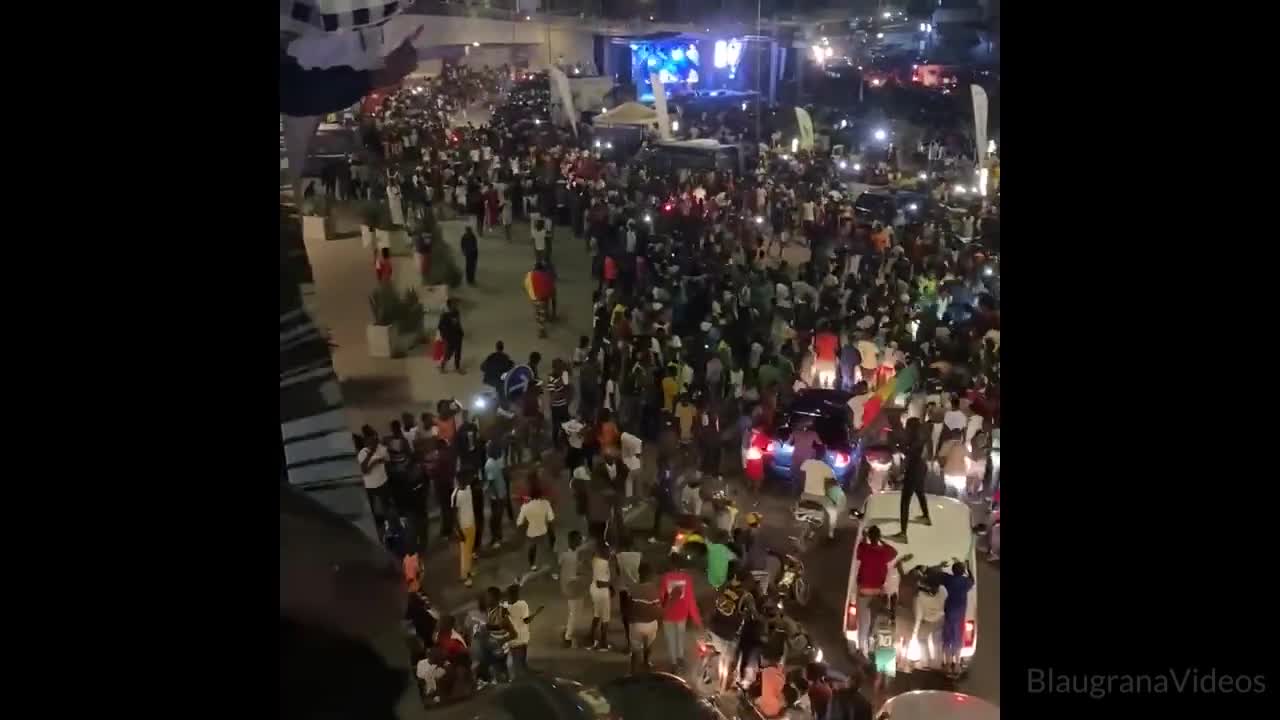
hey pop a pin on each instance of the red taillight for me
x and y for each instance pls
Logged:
(852, 621)
(970, 633)
(754, 453)
(679, 538)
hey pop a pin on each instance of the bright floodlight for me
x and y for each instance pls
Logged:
(888, 15)
(960, 190)
(843, 164)
(881, 134)
(879, 36)
(648, 217)
(744, 107)
(857, 167)
(597, 143)
(759, 220)
(475, 44)
(675, 126)
(913, 207)
(923, 176)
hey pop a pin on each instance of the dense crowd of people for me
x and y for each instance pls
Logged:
(720, 296)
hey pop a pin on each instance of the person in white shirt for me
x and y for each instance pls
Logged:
(539, 235)
(857, 403)
(870, 361)
(632, 451)
(520, 617)
(816, 474)
(782, 293)
(955, 418)
(930, 601)
(538, 517)
(600, 592)
(373, 459)
(465, 522)
(430, 670)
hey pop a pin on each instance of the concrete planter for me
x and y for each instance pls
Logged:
(389, 342)
(382, 340)
(317, 227)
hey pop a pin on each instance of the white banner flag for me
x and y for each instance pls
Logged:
(566, 97)
(660, 105)
(980, 121)
(805, 123)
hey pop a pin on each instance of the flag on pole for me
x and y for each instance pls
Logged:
(566, 97)
(980, 121)
(805, 124)
(660, 105)
(901, 383)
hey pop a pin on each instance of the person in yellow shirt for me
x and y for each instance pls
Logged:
(685, 412)
(670, 386)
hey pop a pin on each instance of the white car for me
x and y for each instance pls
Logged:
(937, 705)
(950, 536)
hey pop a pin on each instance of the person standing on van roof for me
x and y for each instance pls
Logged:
(914, 476)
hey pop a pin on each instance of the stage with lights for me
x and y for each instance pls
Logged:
(686, 65)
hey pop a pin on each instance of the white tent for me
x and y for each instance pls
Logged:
(628, 113)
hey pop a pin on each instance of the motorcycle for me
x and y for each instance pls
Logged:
(792, 582)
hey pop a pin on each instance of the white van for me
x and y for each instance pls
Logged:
(937, 705)
(950, 536)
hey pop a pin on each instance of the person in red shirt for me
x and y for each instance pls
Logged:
(819, 689)
(382, 266)
(753, 461)
(679, 606)
(541, 287)
(825, 345)
(610, 270)
(874, 557)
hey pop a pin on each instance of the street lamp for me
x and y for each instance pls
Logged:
(881, 135)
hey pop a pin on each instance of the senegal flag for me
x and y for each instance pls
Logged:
(901, 383)
(538, 284)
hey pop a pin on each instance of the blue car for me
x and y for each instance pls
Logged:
(828, 413)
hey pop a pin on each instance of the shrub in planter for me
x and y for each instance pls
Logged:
(381, 334)
(444, 268)
(390, 235)
(409, 322)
